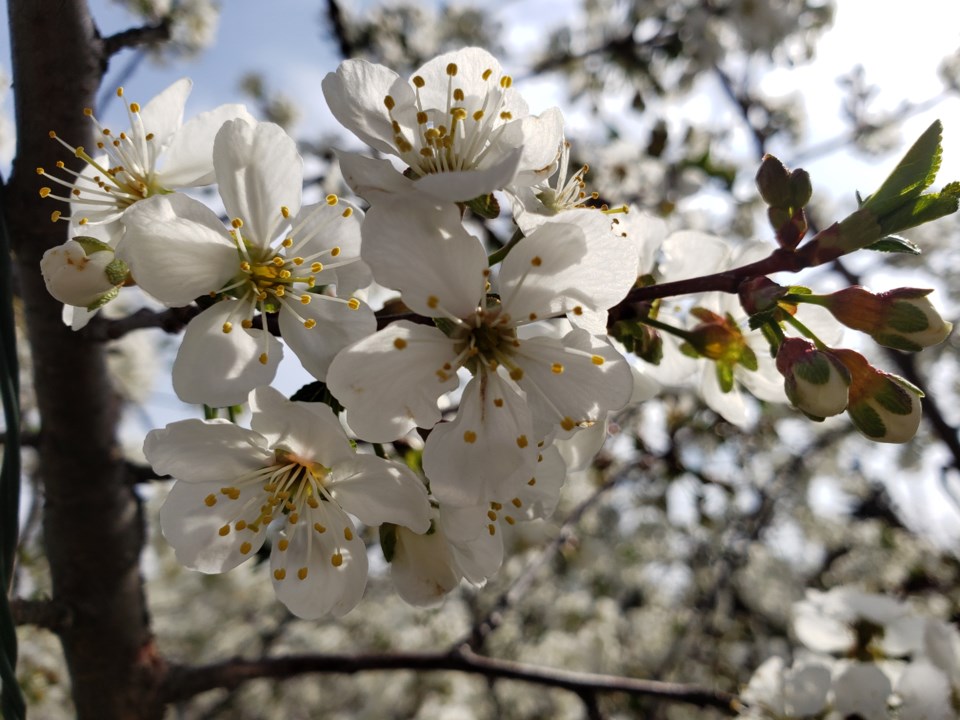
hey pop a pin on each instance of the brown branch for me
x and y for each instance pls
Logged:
(339, 29)
(184, 682)
(171, 320)
(135, 37)
(47, 614)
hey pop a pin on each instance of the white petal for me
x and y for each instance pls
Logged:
(177, 248)
(542, 136)
(309, 430)
(325, 587)
(220, 369)
(578, 380)
(422, 568)
(259, 172)
(766, 686)
(390, 381)
(689, 253)
(925, 693)
(479, 548)
(805, 688)
(377, 491)
(862, 689)
(195, 528)
(337, 326)
(355, 95)
(163, 115)
(324, 229)
(421, 249)
(211, 451)
(188, 160)
(468, 460)
(540, 497)
(371, 178)
(464, 185)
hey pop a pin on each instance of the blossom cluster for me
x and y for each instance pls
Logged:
(497, 366)
(863, 655)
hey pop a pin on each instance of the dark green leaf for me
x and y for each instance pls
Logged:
(896, 244)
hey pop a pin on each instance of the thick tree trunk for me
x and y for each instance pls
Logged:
(92, 522)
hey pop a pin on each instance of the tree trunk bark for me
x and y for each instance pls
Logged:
(93, 528)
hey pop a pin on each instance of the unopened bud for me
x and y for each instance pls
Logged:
(773, 182)
(884, 407)
(815, 381)
(903, 319)
(760, 294)
(83, 272)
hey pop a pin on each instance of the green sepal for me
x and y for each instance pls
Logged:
(867, 420)
(689, 350)
(761, 319)
(895, 244)
(897, 342)
(895, 399)
(117, 271)
(104, 299)
(907, 317)
(318, 391)
(446, 326)
(914, 173)
(814, 370)
(486, 206)
(748, 358)
(388, 541)
(91, 245)
(725, 376)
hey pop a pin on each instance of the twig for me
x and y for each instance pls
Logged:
(48, 614)
(135, 37)
(171, 320)
(339, 29)
(184, 682)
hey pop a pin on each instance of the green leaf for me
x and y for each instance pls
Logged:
(914, 174)
(486, 206)
(921, 210)
(895, 244)
(317, 391)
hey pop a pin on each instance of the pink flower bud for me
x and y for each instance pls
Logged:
(815, 381)
(903, 319)
(884, 407)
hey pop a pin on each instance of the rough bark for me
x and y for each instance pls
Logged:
(93, 527)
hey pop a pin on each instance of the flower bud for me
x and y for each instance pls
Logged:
(884, 407)
(903, 319)
(816, 382)
(82, 272)
(773, 182)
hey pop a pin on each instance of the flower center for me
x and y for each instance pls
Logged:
(455, 137)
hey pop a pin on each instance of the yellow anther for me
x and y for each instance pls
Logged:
(347, 534)
(245, 548)
(210, 500)
(353, 304)
(335, 251)
(332, 199)
(246, 323)
(79, 152)
(119, 92)
(283, 544)
(516, 374)
(39, 171)
(577, 310)
(336, 560)
(237, 223)
(506, 115)
(509, 519)
(44, 191)
(55, 215)
(389, 102)
(279, 573)
(426, 152)
(498, 402)
(60, 164)
(567, 423)
(478, 115)
(522, 441)
(347, 212)
(531, 482)
(264, 358)
(149, 136)
(231, 492)
(432, 302)
(470, 437)
(305, 299)
(302, 573)
(309, 323)
(532, 316)
(517, 502)
(312, 502)
(422, 118)
(492, 529)
(487, 73)
(418, 81)
(52, 135)
(297, 261)
(88, 112)
(491, 514)
(227, 327)
(285, 211)
(319, 528)
(285, 274)
(458, 95)
(278, 261)
(557, 368)
(452, 69)
(399, 343)
(506, 81)
(536, 261)
(224, 531)
(280, 291)
(83, 221)
(294, 518)
(496, 506)
(597, 360)
(135, 107)
(245, 266)
(240, 525)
